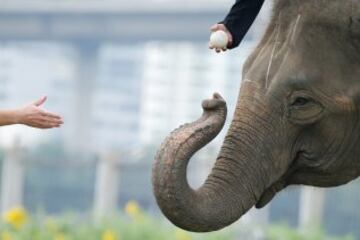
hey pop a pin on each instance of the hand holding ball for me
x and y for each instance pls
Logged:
(219, 39)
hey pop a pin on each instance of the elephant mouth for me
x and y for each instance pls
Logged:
(270, 192)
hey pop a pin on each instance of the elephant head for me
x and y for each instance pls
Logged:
(296, 120)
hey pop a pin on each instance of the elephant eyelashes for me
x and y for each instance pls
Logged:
(301, 101)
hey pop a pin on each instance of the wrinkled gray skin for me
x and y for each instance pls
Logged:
(296, 120)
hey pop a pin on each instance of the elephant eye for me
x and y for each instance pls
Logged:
(300, 101)
(304, 109)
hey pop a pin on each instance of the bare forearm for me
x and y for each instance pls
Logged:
(9, 117)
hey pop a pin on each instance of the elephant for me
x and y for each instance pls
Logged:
(297, 120)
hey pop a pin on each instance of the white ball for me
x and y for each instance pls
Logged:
(219, 39)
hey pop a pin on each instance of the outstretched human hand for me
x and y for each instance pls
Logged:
(34, 116)
(217, 27)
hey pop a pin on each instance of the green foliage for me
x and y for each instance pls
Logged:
(126, 227)
(284, 232)
(132, 224)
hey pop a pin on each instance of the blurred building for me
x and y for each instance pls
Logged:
(112, 63)
(116, 108)
(177, 77)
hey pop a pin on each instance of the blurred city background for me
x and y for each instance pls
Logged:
(123, 74)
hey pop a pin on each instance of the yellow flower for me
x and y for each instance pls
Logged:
(6, 236)
(108, 235)
(132, 209)
(16, 217)
(182, 235)
(59, 236)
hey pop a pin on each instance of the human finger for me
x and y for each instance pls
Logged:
(214, 27)
(40, 101)
(50, 115)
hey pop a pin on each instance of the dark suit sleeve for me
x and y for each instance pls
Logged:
(240, 18)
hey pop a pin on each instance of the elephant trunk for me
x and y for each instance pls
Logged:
(232, 188)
